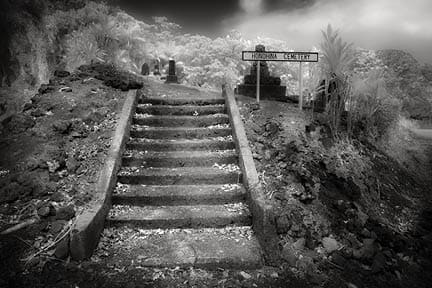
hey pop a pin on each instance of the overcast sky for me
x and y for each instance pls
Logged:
(371, 24)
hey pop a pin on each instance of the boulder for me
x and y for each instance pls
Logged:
(283, 224)
(330, 244)
(62, 126)
(65, 213)
(61, 73)
(62, 248)
(19, 123)
(288, 254)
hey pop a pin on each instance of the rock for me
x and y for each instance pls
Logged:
(366, 233)
(28, 106)
(267, 155)
(362, 217)
(330, 244)
(65, 213)
(37, 112)
(352, 239)
(338, 258)
(305, 263)
(53, 166)
(283, 224)
(10, 193)
(310, 241)
(62, 248)
(61, 73)
(93, 117)
(256, 156)
(46, 88)
(56, 227)
(272, 128)
(112, 104)
(379, 263)
(57, 196)
(369, 248)
(46, 210)
(289, 256)
(65, 89)
(299, 244)
(19, 123)
(62, 126)
(254, 106)
(245, 275)
(72, 164)
(315, 278)
(103, 111)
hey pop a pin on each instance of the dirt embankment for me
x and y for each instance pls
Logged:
(51, 151)
(347, 214)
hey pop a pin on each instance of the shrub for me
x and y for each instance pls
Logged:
(82, 48)
(372, 109)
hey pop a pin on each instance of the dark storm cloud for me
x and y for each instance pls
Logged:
(194, 15)
(274, 5)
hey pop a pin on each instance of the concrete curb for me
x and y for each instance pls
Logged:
(86, 231)
(262, 214)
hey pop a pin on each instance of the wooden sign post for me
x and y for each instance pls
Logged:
(300, 85)
(281, 56)
(258, 81)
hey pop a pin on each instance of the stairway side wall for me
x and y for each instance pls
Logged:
(86, 231)
(262, 214)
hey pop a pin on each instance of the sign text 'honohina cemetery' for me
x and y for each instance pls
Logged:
(280, 56)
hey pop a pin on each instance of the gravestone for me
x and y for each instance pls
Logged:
(156, 69)
(145, 69)
(171, 77)
(270, 87)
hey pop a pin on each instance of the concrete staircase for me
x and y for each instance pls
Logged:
(179, 191)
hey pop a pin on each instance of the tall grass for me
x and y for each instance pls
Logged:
(337, 57)
(372, 109)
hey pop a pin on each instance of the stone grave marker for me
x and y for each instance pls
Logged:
(145, 69)
(171, 77)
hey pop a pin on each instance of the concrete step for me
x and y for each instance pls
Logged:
(165, 217)
(180, 121)
(178, 158)
(168, 195)
(178, 176)
(181, 101)
(180, 110)
(229, 248)
(210, 144)
(177, 132)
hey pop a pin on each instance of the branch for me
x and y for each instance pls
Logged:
(19, 226)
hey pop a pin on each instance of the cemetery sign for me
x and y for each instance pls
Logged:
(261, 55)
(280, 56)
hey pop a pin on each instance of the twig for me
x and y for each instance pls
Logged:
(24, 241)
(21, 225)
(335, 265)
(48, 247)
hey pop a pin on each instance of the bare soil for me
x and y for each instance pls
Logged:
(51, 151)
